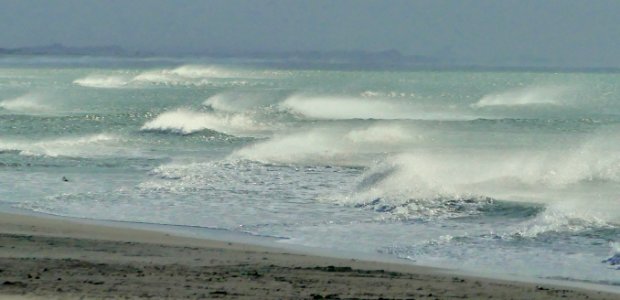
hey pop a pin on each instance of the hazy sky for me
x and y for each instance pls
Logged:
(575, 32)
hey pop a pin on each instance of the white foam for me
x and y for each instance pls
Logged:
(380, 134)
(580, 184)
(84, 146)
(189, 75)
(331, 145)
(199, 71)
(615, 247)
(339, 108)
(533, 95)
(367, 107)
(185, 121)
(158, 77)
(563, 216)
(239, 101)
(186, 75)
(195, 75)
(28, 103)
(390, 94)
(103, 81)
(573, 212)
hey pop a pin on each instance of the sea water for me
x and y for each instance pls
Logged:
(515, 173)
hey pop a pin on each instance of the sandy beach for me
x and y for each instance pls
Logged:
(52, 258)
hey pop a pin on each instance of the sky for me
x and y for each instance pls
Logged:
(565, 32)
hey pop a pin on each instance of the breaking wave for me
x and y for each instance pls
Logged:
(28, 103)
(197, 71)
(339, 108)
(236, 101)
(102, 81)
(448, 184)
(562, 217)
(364, 107)
(331, 145)
(538, 95)
(187, 75)
(185, 121)
(84, 146)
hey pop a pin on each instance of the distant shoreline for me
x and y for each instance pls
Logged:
(346, 61)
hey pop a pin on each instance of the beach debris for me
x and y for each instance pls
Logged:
(15, 283)
(614, 260)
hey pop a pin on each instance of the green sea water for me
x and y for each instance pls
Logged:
(507, 172)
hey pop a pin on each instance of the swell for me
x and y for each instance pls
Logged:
(30, 103)
(334, 107)
(184, 75)
(528, 96)
(81, 146)
(186, 121)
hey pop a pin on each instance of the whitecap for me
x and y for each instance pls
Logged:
(28, 103)
(528, 96)
(239, 101)
(331, 145)
(83, 146)
(365, 107)
(102, 81)
(185, 121)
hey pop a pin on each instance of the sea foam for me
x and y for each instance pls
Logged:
(338, 108)
(28, 103)
(239, 101)
(186, 75)
(562, 180)
(365, 107)
(103, 81)
(331, 145)
(185, 121)
(82, 146)
(533, 95)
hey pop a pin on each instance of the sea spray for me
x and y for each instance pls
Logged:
(332, 107)
(103, 81)
(185, 121)
(533, 95)
(82, 146)
(186, 75)
(403, 163)
(239, 101)
(331, 145)
(28, 103)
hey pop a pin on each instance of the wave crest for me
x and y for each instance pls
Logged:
(84, 146)
(187, 75)
(367, 107)
(185, 121)
(239, 101)
(331, 145)
(28, 103)
(102, 81)
(342, 108)
(407, 180)
(540, 95)
(198, 71)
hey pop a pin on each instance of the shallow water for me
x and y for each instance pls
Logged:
(514, 173)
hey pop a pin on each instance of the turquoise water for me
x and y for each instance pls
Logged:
(509, 172)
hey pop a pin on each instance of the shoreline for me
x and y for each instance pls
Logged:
(98, 259)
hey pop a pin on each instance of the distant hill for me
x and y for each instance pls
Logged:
(383, 59)
(353, 59)
(59, 49)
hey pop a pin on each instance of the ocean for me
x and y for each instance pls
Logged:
(514, 173)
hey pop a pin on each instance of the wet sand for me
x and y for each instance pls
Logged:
(51, 258)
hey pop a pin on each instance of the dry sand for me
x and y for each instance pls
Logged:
(51, 258)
